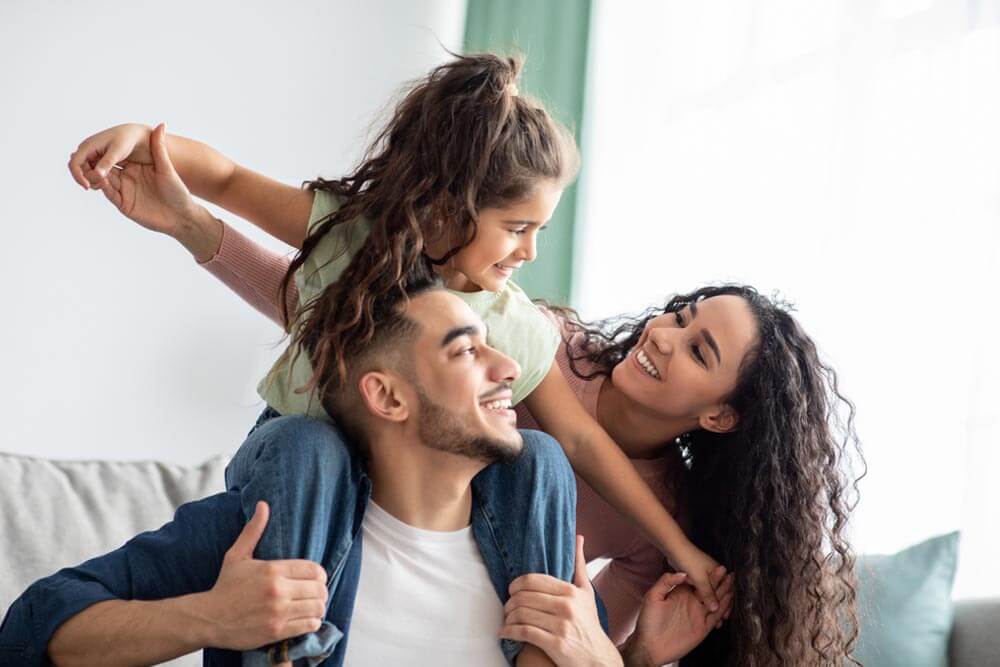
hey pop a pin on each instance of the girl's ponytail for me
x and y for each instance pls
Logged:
(461, 139)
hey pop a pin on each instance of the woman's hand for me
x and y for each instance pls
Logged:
(560, 618)
(673, 621)
(154, 196)
(95, 157)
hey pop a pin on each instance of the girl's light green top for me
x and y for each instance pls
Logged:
(514, 324)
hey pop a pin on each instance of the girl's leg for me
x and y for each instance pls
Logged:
(307, 473)
(530, 505)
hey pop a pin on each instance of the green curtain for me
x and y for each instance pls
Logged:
(552, 35)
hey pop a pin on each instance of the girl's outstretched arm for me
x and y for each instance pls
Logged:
(603, 465)
(280, 210)
(254, 273)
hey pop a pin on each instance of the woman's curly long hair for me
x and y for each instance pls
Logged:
(770, 500)
(461, 139)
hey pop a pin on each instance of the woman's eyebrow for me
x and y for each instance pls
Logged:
(712, 344)
(529, 223)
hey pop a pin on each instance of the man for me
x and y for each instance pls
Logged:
(431, 406)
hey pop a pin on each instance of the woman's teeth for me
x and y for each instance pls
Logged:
(647, 365)
(498, 405)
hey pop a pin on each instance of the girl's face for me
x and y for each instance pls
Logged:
(686, 363)
(505, 240)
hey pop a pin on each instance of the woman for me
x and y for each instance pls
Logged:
(724, 406)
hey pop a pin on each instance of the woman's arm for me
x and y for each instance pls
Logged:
(280, 210)
(603, 465)
(254, 273)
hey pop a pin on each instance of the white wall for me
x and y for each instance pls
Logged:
(114, 344)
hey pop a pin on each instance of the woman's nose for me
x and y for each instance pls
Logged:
(663, 339)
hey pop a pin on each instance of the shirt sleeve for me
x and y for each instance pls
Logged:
(622, 585)
(182, 557)
(254, 273)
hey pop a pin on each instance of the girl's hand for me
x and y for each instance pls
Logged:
(672, 620)
(95, 157)
(560, 618)
(699, 568)
(154, 196)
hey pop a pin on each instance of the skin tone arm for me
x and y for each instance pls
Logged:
(596, 457)
(252, 603)
(279, 209)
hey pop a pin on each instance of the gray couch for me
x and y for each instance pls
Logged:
(59, 513)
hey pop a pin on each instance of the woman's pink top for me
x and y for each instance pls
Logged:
(255, 274)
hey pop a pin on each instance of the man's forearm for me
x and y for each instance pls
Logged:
(132, 632)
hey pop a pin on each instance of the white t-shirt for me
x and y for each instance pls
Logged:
(424, 598)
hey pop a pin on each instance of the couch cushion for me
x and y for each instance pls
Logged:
(975, 637)
(60, 513)
(905, 604)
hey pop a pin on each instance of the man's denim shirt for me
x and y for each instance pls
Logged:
(185, 556)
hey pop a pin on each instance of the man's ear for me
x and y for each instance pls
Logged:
(382, 395)
(719, 419)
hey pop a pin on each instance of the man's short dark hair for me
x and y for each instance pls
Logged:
(390, 348)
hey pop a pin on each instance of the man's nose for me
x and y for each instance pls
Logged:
(503, 368)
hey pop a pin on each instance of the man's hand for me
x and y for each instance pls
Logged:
(673, 621)
(560, 618)
(258, 602)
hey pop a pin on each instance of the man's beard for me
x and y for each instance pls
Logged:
(440, 429)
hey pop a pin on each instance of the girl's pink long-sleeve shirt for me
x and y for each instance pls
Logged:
(255, 274)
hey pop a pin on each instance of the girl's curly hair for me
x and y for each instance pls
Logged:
(770, 500)
(461, 139)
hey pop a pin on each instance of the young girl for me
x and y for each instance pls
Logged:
(465, 175)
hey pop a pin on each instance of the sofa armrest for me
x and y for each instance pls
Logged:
(975, 634)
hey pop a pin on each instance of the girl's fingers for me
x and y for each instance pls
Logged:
(117, 152)
(707, 597)
(725, 587)
(714, 619)
(158, 147)
(81, 159)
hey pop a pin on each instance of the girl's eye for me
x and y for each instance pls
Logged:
(680, 320)
(697, 355)
(469, 351)
(518, 232)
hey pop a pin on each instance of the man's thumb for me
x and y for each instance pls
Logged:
(247, 541)
(158, 147)
(580, 577)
